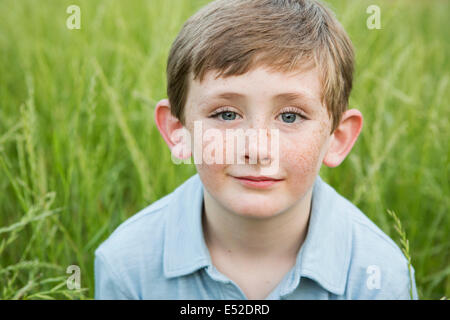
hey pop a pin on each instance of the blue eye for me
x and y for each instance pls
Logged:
(227, 115)
(289, 117)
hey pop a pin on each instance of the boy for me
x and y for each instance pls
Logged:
(282, 68)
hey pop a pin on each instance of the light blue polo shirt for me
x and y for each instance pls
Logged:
(160, 253)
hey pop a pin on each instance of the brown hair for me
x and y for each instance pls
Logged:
(235, 36)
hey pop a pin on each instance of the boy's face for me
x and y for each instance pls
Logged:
(303, 127)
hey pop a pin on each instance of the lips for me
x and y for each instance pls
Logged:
(258, 182)
(259, 178)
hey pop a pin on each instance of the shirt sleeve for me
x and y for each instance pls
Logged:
(107, 285)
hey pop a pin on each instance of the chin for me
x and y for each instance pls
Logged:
(257, 215)
(256, 209)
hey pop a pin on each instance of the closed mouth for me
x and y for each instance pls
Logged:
(259, 178)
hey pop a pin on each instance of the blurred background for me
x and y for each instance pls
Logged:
(80, 153)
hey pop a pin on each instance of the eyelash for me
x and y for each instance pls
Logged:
(294, 110)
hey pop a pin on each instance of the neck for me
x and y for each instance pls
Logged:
(279, 236)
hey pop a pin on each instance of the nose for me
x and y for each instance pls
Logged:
(257, 146)
(259, 138)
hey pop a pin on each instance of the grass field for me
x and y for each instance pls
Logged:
(80, 153)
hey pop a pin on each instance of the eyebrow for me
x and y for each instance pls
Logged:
(284, 97)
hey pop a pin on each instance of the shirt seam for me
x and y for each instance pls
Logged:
(377, 233)
(113, 274)
(134, 219)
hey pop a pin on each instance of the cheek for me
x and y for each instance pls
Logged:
(207, 144)
(211, 177)
(210, 171)
(301, 158)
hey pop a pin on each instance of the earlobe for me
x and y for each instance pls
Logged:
(330, 159)
(343, 138)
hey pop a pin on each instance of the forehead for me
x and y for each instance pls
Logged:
(259, 84)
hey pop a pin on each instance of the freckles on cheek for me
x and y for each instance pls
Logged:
(301, 168)
(300, 157)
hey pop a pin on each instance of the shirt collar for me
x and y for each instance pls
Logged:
(324, 256)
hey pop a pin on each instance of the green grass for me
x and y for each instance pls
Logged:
(80, 153)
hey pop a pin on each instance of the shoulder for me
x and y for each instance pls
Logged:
(378, 268)
(146, 227)
(135, 244)
(129, 263)
(147, 224)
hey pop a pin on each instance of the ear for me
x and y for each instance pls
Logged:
(343, 138)
(172, 130)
